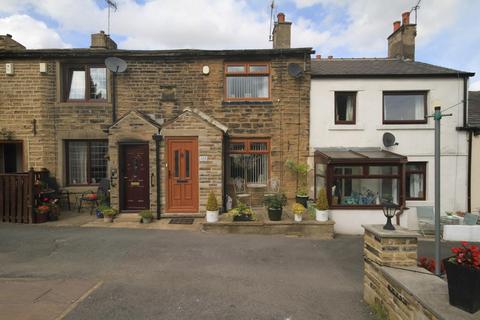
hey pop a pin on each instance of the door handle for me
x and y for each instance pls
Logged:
(152, 180)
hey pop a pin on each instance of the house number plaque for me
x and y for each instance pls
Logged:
(203, 158)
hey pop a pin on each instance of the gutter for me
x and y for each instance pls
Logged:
(157, 137)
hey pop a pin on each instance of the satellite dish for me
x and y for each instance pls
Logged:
(389, 140)
(115, 64)
(295, 70)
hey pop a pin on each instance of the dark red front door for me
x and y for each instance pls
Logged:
(136, 191)
(182, 182)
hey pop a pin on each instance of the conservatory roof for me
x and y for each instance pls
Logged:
(358, 155)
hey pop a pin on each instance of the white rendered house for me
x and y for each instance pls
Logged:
(354, 103)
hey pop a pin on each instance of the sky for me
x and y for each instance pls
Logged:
(448, 33)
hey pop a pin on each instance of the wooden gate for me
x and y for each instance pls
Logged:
(17, 196)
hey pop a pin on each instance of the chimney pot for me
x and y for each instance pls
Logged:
(406, 18)
(396, 26)
(319, 56)
(9, 35)
(102, 32)
(330, 57)
(281, 17)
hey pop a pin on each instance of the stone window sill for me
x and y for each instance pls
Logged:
(405, 127)
(346, 127)
(247, 103)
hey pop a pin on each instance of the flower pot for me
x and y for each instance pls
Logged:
(108, 219)
(321, 215)
(146, 220)
(298, 217)
(275, 214)
(212, 216)
(242, 217)
(41, 218)
(303, 200)
(463, 286)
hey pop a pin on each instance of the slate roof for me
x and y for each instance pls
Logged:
(379, 67)
(474, 109)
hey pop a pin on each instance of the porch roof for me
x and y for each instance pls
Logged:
(357, 155)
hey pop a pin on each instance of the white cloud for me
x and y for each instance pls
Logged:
(474, 86)
(32, 33)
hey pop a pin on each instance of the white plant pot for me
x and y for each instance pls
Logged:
(298, 217)
(321, 215)
(212, 216)
(107, 219)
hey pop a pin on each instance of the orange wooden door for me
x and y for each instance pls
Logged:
(182, 182)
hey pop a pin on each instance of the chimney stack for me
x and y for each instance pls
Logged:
(7, 43)
(281, 32)
(401, 43)
(102, 41)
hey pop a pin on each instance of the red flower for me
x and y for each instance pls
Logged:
(467, 255)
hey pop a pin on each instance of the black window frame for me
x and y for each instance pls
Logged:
(406, 93)
(89, 159)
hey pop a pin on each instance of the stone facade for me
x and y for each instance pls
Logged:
(160, 84)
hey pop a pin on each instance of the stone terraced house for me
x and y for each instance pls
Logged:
(181, 123)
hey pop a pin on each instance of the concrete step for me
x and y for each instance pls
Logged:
(127, 217)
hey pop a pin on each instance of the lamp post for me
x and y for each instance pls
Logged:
(389, 210)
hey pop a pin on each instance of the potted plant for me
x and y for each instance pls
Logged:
(212, 208)
(298, 209)
(42, 213)
(146, 215)
(301, 171)
(463, 276)
(108, 214)
(275, 204)
(321, 207)
(242, 213)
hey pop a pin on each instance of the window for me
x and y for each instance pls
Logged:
(247, 81)
(345, 107)
(85, 83)
(365, 185)
(360, 177)
(416, 173)
(86, 161)
(404, 107)
(249, 159)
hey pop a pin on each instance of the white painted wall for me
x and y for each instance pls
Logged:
(415, 141)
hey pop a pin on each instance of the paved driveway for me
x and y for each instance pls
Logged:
(159, 274)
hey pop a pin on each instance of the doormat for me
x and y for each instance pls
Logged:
(181, 221)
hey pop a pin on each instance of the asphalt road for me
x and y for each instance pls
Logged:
(156, 274)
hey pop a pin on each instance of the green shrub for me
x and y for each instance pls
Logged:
(322, 202)
(298, 208)
(212, 204)
(146, 214)
(275, 201)
(109, 212)
(301, 171)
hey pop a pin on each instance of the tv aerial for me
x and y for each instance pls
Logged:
(295, 70)
(389, 140)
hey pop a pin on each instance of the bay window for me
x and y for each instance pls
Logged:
(247, 81)
(360, 178)
(86, 161)
(404, 107)
(249, 159)
(82, 82)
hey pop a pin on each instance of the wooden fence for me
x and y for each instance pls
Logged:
(17, 196)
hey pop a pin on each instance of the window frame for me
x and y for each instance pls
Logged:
(424, 172)
(354, 95)
(89, 159)
(247, 73)
(66, 81)
(405, 93)
(248, 150)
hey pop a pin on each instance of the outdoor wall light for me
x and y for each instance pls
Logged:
(389, 210)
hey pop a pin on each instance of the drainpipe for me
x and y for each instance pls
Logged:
(224, 191)
(469, 174)
(157, 137)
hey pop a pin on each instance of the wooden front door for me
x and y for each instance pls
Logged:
(135, 184)
(182, 182)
